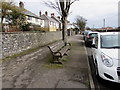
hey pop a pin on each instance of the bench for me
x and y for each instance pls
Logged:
(58, 50)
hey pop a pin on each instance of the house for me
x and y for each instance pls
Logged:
(45, 22)
(50, 24)
(106, 28)
(59, 24)
(30, 17)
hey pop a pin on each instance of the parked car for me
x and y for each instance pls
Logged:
(106, 56)
(89, 38)
(84, 33)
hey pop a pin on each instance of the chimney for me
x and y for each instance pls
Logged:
(21, 4)
(58, 17)
(40, 13)
(46, 13)
(52, 14)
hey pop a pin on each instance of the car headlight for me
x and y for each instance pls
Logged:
(107, 61)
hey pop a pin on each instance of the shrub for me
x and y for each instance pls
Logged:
(26, 27)
(46, 29)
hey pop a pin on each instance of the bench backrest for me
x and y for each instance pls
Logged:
(56, 46)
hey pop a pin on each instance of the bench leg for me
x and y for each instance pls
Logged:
(57, 60)
(66, 54)
(68, 49)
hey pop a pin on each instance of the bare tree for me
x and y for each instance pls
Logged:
(62, 7)
(80, 23)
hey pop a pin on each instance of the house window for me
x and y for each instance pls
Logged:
(6, 20)
(54, 24)
(50, 23)
(29, 18)
(41, 22)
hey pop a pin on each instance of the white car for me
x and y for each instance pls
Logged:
(106, 55)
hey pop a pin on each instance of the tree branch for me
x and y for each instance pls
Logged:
(73, 2)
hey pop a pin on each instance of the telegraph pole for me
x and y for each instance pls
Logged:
(104, 24)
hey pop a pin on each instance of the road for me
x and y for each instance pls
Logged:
(100, 84)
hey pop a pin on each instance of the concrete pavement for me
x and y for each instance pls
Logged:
(32, 73)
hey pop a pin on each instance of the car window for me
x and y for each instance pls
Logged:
(110, 41)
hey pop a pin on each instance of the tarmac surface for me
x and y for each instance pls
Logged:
(29, 71)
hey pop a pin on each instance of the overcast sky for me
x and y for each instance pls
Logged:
(92, 10)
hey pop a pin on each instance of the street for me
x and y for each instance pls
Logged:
(58, 44)
(101, 84)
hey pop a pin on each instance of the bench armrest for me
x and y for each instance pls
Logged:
(68, 44)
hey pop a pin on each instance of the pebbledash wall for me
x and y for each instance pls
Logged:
(13, 43)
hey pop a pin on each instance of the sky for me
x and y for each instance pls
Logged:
(95, 11)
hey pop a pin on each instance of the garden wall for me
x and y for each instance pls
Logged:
(14, 43)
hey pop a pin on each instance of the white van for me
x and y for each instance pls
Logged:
(106, 55)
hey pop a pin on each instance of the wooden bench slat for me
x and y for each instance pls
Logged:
(63, 50)
(58, 49)
(54, 44)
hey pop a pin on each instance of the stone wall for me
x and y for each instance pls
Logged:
(0, 45)
(13, 43)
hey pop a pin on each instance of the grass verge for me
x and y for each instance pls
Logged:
(50, 65)
(21, 53)
(53, 66)
(64, 60)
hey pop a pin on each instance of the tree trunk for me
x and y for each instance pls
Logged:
(2, 23)
(64, 28)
